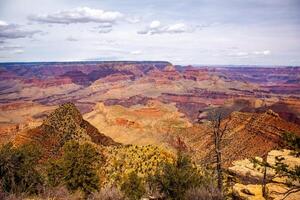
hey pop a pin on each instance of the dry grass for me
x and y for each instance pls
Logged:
(203, 194)
(108, 193)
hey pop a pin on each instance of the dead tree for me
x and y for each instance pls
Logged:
(264, 180)
(219, 128)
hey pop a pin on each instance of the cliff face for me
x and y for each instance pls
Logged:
(64, 124)
(142, 125)
(248, 135)
(190, 88)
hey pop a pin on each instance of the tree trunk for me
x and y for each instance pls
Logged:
(219, 162)
(264, 181)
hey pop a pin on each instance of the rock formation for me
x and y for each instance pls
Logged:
(248, 172)
(64, 124)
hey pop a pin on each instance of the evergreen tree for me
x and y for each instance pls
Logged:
(174, 179)
(133, 187)
(18, 168)
(77, 168)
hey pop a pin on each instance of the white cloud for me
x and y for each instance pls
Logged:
(13, 31)
(78, 15)
(154, 24)
(3, 23)
(133, 20)
(177, 28)
(18, 51)
(254, 53)
(239, 54)
(155, 27)
(265, 52)
(136, 52)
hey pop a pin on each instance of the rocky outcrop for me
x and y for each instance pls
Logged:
(246, 172)
(64, 124)
(248, 135)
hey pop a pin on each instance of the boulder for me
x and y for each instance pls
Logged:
(247, 192)
(277, 191)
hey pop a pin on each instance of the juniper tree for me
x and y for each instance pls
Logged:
(19, 168)
(77, 168)
(174, 179)
(133, 186)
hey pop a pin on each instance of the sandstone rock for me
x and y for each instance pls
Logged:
(248, 171)
(289, 159)
(247, 192)
(276, 191)
(271, 112)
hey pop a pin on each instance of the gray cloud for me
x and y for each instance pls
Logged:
(103, 28)
(13, 31)
(71, 39)
(18, 51)
(78, 15)
(10, 47)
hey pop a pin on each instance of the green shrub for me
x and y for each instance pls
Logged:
(77, 168)
(293, 141)
(18, 169)
(174, 179)
(133, 187)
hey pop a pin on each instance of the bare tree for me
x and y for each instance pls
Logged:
(264, 180)
(219, 128)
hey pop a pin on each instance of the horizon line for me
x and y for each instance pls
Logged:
(194, 65)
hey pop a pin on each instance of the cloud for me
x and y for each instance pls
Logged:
(9, 47)
(12, 49)
(135, 52)
(18, 51)
(3, 23)
(247, 54)
(13, 31)
(71, 39)
(154, 24)
(265, 52)
(155, 27)
(133, 20)
(103, 28)
(78, 15)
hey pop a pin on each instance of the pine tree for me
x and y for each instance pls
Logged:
(18, 168)
(174, 179)
(77, 168)
(133, 187)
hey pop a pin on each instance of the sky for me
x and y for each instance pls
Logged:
(209, 32)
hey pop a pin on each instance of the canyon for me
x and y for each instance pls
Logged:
(139, 113)
(150, 102)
